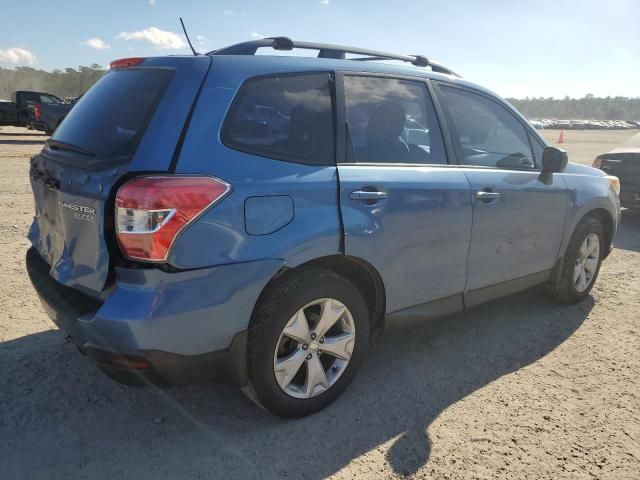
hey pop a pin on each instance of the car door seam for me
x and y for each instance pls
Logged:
(466, 279)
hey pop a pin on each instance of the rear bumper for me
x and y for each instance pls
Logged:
(41, 126)
(163, 368)
(160, 327)
(630, 196)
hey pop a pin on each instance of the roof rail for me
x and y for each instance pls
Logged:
(329, 51)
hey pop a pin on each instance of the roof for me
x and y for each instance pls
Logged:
(250, 65)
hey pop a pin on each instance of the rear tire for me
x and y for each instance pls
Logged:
(581, 263)
(296, 365)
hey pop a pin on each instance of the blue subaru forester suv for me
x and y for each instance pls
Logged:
(257, 219)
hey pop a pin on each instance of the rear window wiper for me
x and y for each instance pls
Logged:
(58, 145)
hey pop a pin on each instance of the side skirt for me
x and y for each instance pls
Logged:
(457, 303)
(424, 311)
(482, 295)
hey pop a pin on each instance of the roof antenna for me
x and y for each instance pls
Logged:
(188, 40)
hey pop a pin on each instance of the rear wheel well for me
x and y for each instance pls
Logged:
(359, 272)
(606, 220)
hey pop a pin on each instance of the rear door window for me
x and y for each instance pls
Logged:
(391, 121)
(112, 116)
(30, 97)
(285, 118)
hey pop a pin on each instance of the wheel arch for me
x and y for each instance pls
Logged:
(361, 273)
(608, 225)
(599, 208)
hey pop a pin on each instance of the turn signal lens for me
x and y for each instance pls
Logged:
(597, 163)
(152, 211)
(615, 183)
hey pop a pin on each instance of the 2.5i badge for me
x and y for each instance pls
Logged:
(80, 212)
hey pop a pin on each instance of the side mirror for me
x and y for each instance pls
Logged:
(554, 160)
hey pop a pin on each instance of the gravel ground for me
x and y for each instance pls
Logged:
(518, 388)
(584, 146)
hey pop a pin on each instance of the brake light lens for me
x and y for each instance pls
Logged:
(127, 62)
(37, 111)
(597, 163)
(152, 211)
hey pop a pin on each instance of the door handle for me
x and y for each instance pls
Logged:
(486, 196)
(367, 195)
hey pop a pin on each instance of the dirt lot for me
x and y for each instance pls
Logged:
(519, 388)
(584, 146)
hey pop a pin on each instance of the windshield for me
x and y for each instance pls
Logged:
(111, 117)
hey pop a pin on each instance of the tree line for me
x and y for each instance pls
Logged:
(589, 107)
(72, 82)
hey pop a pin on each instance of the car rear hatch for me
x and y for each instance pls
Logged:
(130, 121)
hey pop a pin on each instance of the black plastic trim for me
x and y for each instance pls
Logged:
(66, 301)
(326, 50)
(485, 294)
(185, 128)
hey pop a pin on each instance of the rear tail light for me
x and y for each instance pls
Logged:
(597, 163)
(152, 211)
(127, 62)
(37, 112)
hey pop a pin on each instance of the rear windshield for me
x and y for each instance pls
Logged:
(111, 117)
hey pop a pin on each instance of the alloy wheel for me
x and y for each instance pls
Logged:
(586, 262)
(314, 348)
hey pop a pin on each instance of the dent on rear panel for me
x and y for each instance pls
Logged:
(267, 214)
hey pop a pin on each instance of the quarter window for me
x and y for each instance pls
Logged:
(391, 121)
(286, 118)
(487, 133)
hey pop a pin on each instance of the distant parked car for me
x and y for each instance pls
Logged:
(46, 116)
(537, 124)
(564, 124)
(624, 163)
(16, 112)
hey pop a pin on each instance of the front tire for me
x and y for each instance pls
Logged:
(307, 339)
(581, 263)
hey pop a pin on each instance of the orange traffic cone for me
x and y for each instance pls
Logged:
(561, 137)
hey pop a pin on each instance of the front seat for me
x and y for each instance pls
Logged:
(384, 143)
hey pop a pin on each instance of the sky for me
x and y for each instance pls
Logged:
(516, 48)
